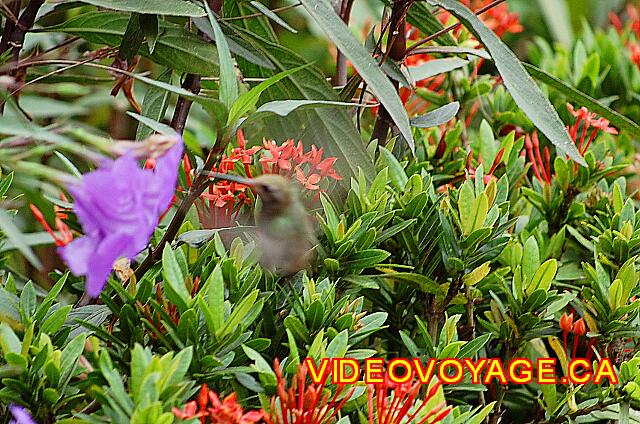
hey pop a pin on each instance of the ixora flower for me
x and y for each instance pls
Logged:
(119, 206)
(210, 409)
(20, 415)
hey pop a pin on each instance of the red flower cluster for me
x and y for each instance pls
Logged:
(290, 160)
(220, 205)
(541, 168)
(211, 410)
(587, 120)
(399, 403)
(64, 235)
(587, 124)
(633, 20)
(304, 403)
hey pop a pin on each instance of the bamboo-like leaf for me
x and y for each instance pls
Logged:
(436, 117)
(285, 107)
(524, 91)
(576, 96)
(154, 105)
(155, 7)
(323, 13)
(228, 82)
(271, 15)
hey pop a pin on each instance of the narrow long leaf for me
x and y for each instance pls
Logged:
(323, 13)
(524, 91)
(285, 107)
(153, 7)
(248, 100)
(15, 236)
(228, 82)
(271, 15)
(576, 96)
(436, 117)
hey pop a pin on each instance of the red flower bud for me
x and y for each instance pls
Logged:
(566, 322)
(579, 327)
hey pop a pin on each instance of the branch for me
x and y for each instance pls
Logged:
(191, 83)
(451, 27)
(396, 49)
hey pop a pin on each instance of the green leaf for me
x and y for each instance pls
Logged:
(435, 67)
(365, 259)
(154, 105)
(578, 97)
(55, 320)
(174, 283)
(228, 82)
(154, 125)
(150, 29)
(17, 238)
(156, 7)
(542, 278)
(176, 47)
(285, 107)
(249, 100)
(522, 88)
(236, 45)
(339, 345)
(239, 312)
(28, 302)
(271, 15)
(488, 144)
(215, 282)
(475, 276)
(132, 39)
(436, 117)
(530, 257)
(323, 13)
(50, 298)
(422, 282)
(466, 200)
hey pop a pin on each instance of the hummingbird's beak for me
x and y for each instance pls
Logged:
(234, 178)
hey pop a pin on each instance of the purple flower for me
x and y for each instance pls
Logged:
(20, 415)
(119, 206)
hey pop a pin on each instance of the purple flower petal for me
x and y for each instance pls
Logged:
(119, 206)
(20, 415)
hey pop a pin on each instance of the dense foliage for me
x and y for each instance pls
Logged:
(195, 196)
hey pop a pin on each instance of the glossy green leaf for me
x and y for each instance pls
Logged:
(157, 7)
(176, 47)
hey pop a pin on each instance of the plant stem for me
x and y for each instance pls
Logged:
(13, 35)
(396, 49)
(341, 60)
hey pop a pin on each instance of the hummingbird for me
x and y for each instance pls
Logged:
(284, 232)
